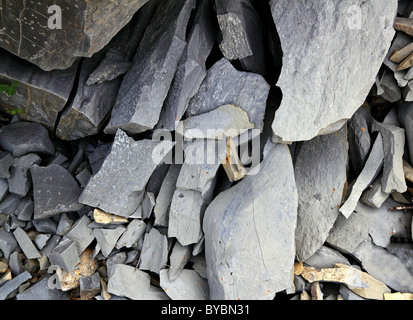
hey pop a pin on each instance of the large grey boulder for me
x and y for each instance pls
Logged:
(85, 29)
(249, 232)
(145, 87)
(330, 62)
(320, 174)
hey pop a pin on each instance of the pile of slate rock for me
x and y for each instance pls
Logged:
(111, 189)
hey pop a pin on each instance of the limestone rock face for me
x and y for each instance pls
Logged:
(330, 62)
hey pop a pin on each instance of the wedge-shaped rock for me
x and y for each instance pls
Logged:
(225, 85)
(191, 69)
(405, 116)
(27, 246)
(145, 87)
(133, 233)
(249, 232)
(357, 281)
(42, 291)
(124, 174)
(242, 34)
(189, 285)
(20, 180)
(178, 259)
(107, 238)
(55, 191)
(154, 255)
(326, 257)
(370, 171)
(320, 174)
(321, 45)
(127, 281)
(374, 196)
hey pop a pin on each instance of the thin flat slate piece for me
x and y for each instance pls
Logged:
(249, 232)
(123, 176)
(27, 246)
(322, 45)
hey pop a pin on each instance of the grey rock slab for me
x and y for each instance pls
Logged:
(225, 85)
(40, 95)
(107, 238)
(41, 240)
(27, 246)
(374, 196)
(8, 243)
(189, 285)
(148, 203)
(393, 145)
(124, 174)
(191, 69)
(320, 174)
(4, 188)
(409, 74)
(199, 265)
(42, 291)
(321, 46)
(127, 281)
(51, 244)
(164, 198)
(64, 224)
(326, 257)
(154, 254)
(388, 83)
(179, 257)
(25, 209)
(13, 284)
(405, 116)
(145, 86)
(366, 222)
(65, 255)
(15, 263)
(89, 286)
(242, 34)
(45, 226)
(133, 233)
(408, 92)
(98, 156)
(370, 171)
(55, 191)
(249, 232)
(87, 28)
(20, 180)
(81, 234)
(21, 138)
(5, 162)
(10, 204)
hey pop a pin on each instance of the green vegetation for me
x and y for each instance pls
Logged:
(10, 90)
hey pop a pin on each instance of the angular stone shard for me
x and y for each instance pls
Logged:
(20, 138)
(8, 243)
(374, 196)
(41, 291)
(133, 233)
(65, 255)
(320, 174)
(189, 285)
(89, 286)
(321, 46)
(13, 284)
(81, 234)
(249, 232)
(154, 255)
(106, 218)
(107, 238)
(139, 103)
(178, 259)
(400, 41)
(26, 32)
(5, 162)
(391, 90)
(20, 180)
(27, 246)
(55, 191)
(326, 257)
(405, 116)
(124, 174)
(242, 34)
(401, 54)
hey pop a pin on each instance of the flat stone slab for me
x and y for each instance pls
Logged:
(189, 285)
(154, 255)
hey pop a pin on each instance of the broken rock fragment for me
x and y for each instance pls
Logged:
(189, 285)
(154, 253)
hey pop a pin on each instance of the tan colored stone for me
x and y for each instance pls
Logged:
(316, 293)
(232, 163)
(305, 296)
(398, 296)
(103, 217)
(404, 24)
(3, 266)
(6, 277)
(298, 268)
(399, 55)
(406, 63)
(104, 293)
(408, 171)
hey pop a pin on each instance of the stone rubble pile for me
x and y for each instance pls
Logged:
(207, 149)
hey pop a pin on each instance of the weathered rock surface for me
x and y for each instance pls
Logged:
(187, 286)
(249, 246)
(321, 48)
(405, 116)
(154, 255)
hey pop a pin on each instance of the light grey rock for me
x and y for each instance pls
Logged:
(145, 86)
(321, 45)
(20, 180)
(320, 174)
(15, 263)
(249, 232)
(25, 209)
(408, 92)
(55, 191)
(45, 226)
(154, 254)
(391, 90)
(326, 257)
(179, 257)
(377, 223)
(13, 284)
(41, 240)
(65, 255)
(189, 285)
(10, 204)
(405, 116)
(41, 291)
(64, 224)
(404, 253)
(107, 238)
(5, 162)
(127, 281)
(8, 243)
(4, 188)
(98, 156)
(393, 145)
(371, 169)
(242, 34)
(225, 85)
(374, 196)
(384, 266)
(134, 231)
(85, 29)
(124, 174)
(164, 198)
(81, 234)
(148, 203)
(191, 68)
(359, 128)
(199, 265)
(27, 246)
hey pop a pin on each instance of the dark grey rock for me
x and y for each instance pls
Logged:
(154, 255)
(13, 284)
(5, 162)
(25, 209)
(15, 263)
(89, 286)
(51, 244)
(41, 291)
(145, 87)
(81, 234)
(97, 158)
(83, 177)
(45, 226)
(64, 224)
(65, 255)
(107, 238)
(20, 180)
(133, 233)
(391, 90)
(122, 178)
(4, 188)
(326, 257)
(54, 191)
(8, 243)
(41, 240)
(10, 204)
(27, 246)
